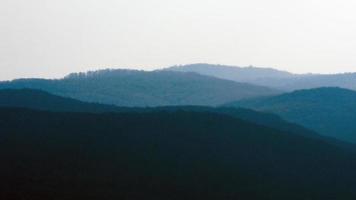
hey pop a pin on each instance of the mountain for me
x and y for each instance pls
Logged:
(328, 111)
(272, 78)
(139, 88)
(164, 155)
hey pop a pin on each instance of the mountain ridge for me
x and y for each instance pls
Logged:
(139, 88)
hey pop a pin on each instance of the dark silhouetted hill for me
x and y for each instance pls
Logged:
(164, 155)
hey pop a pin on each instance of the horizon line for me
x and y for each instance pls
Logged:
(96, 69)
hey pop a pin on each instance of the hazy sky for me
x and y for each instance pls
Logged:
(49, 38)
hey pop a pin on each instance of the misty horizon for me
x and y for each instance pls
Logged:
(148, 69)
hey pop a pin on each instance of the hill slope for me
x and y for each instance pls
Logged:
(138, 88)
(272, 78)
(164, 155)
(329, 111)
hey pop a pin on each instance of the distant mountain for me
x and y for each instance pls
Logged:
(139, 88)
(234, 73)
(164, 155)
(328, 111)
(346, 80)
(270, 77)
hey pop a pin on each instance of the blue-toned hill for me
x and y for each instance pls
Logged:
(328, 111)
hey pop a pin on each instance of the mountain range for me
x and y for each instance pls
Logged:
(208, 133)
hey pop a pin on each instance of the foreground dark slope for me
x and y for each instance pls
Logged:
(164, 155)
(329, 111)
(272, 78)
(139, 88)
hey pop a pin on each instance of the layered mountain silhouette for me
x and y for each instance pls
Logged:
(164, 155)
(270, 77)
(72, 138)
(40, 100)
(328, 111)
(139, 88)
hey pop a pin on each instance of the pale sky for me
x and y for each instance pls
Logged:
(50, 38)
